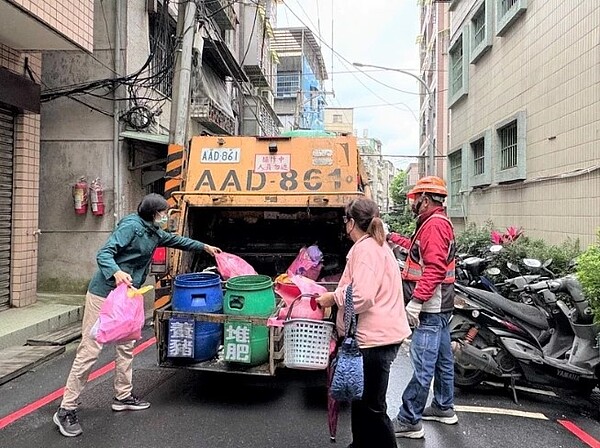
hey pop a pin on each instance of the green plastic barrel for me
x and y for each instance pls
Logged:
(249, 295)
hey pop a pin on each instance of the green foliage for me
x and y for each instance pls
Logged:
(398, 190)
(401, 219)
(588, 273)
(401, 222)
(474, 240)
(562, 255)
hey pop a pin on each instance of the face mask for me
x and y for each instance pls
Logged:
(416, 206)
(162, 222)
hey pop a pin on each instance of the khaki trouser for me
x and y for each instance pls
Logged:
(87, 354)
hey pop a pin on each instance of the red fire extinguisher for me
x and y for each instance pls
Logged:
(96, 198)
(80, 196)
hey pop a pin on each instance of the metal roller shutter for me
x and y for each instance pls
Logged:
(7, 132)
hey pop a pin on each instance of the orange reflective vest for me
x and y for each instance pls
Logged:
(413, 269)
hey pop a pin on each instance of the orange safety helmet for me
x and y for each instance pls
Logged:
(429, 184)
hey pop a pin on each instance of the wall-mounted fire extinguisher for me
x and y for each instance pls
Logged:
(96, 197)
(80, 196)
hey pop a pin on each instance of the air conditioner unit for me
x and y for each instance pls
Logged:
(267, 94)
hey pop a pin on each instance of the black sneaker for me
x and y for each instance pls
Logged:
(436, 414)
(131, 403)
(67, 422)
(405, 429)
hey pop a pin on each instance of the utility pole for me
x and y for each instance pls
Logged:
(180, 104)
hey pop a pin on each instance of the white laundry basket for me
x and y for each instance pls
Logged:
(306, 343)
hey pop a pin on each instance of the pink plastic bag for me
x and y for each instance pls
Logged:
(121, 317)
(308, 286)
(307, 263)
(232, 266)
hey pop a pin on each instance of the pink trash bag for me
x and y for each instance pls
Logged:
(233, 266)
(121, 317)
(308, 263)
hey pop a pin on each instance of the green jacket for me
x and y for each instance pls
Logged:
(129, 248)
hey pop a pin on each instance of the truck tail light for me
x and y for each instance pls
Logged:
(159, 261)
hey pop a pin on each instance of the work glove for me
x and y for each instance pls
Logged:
(413, 309)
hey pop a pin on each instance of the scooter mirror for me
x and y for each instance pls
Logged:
(547, 263)
(493, 271)
(472, 261)
(513, 267)
(532, 263)
(495, 248)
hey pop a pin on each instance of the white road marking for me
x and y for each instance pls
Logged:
(500, 411)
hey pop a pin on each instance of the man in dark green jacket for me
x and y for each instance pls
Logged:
(124, 258)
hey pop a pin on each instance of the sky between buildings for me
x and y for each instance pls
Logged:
(379, 32)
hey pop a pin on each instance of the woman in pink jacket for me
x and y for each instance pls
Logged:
(382, 326)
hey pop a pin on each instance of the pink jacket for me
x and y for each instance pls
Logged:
(377, 292)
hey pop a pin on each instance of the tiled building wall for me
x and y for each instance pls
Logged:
(72, 18)
(547, 65)
(25, 188)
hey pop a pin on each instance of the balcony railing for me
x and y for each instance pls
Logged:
(207, 113)
(224, 14)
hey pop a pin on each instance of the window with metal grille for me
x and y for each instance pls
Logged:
(455, 160)
(162, 33)
(288, 84)
(478, 148)
(478, 23)
(456, 66)
(507, 12)
(505, 6)
(508, 146)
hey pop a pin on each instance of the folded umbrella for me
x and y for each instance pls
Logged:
(333, 406)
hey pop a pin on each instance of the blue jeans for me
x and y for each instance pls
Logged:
(432, 359)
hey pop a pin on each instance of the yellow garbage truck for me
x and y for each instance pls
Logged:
(263, 199)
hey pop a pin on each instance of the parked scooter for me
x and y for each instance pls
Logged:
(513, 342)
(473, 271)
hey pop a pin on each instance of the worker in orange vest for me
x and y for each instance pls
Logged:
(428, 282)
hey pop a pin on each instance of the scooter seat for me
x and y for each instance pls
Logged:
(527, 313)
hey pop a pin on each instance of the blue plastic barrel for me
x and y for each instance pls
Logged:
(201, 293)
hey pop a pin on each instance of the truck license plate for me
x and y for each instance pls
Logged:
(220, 155)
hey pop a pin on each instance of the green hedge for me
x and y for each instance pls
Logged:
(588, 273)
(476, 240)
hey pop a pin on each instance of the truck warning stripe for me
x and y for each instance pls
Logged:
(173, 175)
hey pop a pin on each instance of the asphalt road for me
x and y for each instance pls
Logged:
(288, 411)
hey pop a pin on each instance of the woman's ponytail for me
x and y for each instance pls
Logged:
(376, 230)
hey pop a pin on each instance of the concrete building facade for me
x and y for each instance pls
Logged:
(299, 96)
(120, 135)
(433, 52)
(524, 98)
(412, 173)
(381, 172)
(339, 120)
(26, 29)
